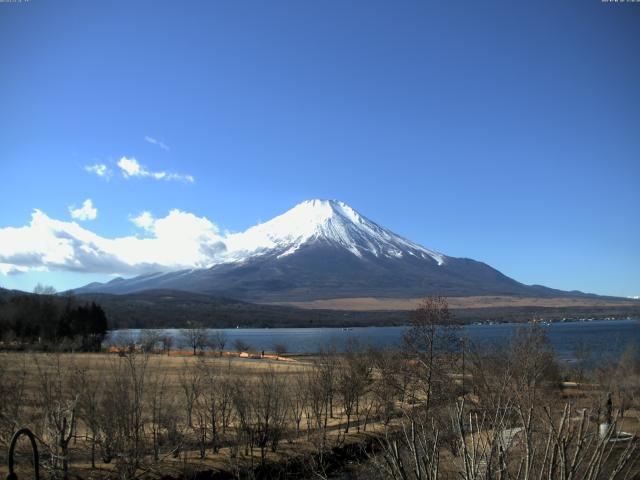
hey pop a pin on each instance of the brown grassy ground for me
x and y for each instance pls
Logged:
(392, 304)
(173, 366)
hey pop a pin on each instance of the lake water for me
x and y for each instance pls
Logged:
(606, 338)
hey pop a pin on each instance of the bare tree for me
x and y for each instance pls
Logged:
(387, 386)
(432, 337)
(242, 395)
(270, 408)
(58, 403)
(298, 399)
(156, 405)
(318, 389)
(411, 453)
(190, 383)
(214, 400)
(625, 376)
(201, 411)
(225, 392)
(562, 447)
(327, 365)
(173, 426)
(583, 353)
(13, 382)
(211, 400)
(219, 340)
(123, 413)
(354, 376)
(195, 337)
(167, 343)
(92, 389)
(536, 375)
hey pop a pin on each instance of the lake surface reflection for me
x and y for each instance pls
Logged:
(604, 338)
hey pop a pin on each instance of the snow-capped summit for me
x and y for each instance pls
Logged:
(327, 221)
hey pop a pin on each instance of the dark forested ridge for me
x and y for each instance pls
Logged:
(53, 316)
(170, 308)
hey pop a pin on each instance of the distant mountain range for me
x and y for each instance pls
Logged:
(324, 249)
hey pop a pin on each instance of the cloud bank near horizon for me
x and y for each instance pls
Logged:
(178, 240)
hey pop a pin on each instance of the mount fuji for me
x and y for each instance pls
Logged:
(324, 249)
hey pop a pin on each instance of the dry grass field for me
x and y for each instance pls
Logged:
(178, 379)
(154, 415)
(392, 304)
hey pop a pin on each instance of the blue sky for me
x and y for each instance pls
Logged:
(508, 132)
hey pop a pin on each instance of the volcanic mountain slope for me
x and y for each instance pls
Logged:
(325, 249)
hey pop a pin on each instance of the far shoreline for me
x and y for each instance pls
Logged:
(541, 322)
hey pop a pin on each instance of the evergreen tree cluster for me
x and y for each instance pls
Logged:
(48, 320)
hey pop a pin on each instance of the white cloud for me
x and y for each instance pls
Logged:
(145, 220)
(8, 269)
(178, 240)
(159, 143)
(132, 168)
(99, 169)
(86, 212)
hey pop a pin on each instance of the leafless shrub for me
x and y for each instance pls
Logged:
(241, 346)
(280, 349)
(149, 340)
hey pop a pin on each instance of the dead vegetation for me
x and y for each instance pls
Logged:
(438, 408)
(461, 303)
